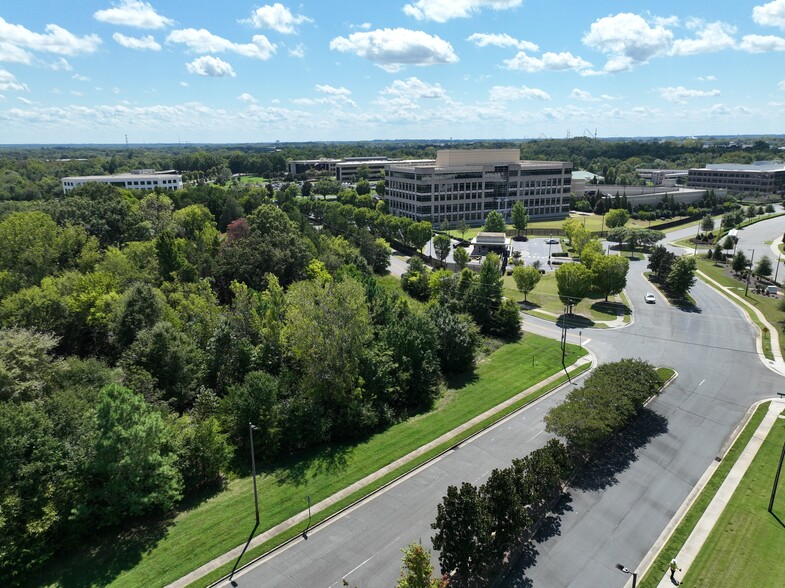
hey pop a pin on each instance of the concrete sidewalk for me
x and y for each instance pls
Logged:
(301, 518)
(700, 533)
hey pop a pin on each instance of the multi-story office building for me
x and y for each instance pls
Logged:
(468, 184)
(303, 166)
(138, 179)
(760, 177)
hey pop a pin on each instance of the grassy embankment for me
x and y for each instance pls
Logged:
(757, 516)
(746, 544)
(160, 555)
(767, 305)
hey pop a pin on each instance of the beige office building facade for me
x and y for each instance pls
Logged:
(468, 184)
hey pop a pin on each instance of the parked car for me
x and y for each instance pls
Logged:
(551, 241)
(649, 298)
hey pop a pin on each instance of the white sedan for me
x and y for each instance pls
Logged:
(649, 298)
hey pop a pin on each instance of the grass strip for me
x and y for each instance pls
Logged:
(745, 546)
(768, 306)
(679, 536)
(259, 551)
(665, 374)
(163, 551)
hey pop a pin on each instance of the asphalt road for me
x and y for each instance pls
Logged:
(617, 510)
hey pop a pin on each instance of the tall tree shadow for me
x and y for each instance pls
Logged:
(618, 453)
(103, 556)
(297, 468)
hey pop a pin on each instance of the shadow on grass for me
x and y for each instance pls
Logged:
(102, 558)
(619, 452)
(574, 321)
(458, 381)
(297, 468)
(615, 308)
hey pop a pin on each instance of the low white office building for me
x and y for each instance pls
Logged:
(468, 184)
(138, 179)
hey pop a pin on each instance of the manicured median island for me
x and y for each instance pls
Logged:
(766, 304)
(679, 536)
(209, 529)
(745, 546)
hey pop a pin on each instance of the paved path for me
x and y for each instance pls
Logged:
(302, 517)
(701, 532)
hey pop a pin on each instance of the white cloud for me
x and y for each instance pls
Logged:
(210, 66)
(80, 78)
(707, 78)
(60, 65)
(327, 89)
(628, 39)
(501, 40)
(392, 49)
(714, 36)
(76, 93)
(25, 100)
(8, 82)
(762, 43)
(548, 61)
(413, 88)
(203, 41)
(56, 40)
(133, 13)
(298, 52)
(512, 93)
(586, 96)
(184, 84)
(771, 14)
(444, 10)
(13, 54)
(666, 21)
(115, 90)
(362, 26)
(146, 42)
(680, 94)
(246, 97)
(277, 17)
(781, 85)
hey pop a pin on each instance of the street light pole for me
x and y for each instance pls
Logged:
(777, 270)
(251, 429)
(747, 281)
(549, 248)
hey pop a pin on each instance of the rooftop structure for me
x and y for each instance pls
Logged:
(661, 177)
(138, 179)
(468, 184)
(651, 195)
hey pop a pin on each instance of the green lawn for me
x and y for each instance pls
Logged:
(665, 374)
(766, 304)
(745, 546)
(676, 541)
(254, 180)
(159, 556)
(546, 298)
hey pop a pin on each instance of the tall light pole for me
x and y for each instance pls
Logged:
(251, 429)
(777, 270)
(550, 239)
(621, 568)
(747, 281)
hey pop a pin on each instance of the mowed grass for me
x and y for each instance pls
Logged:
(254, 180)
(768, 305)
(218, 524)
(679, 536)
(546, 297)
(745, 546)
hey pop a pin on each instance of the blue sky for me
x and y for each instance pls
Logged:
(207, 71)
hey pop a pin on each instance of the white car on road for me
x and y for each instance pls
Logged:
(649, 298)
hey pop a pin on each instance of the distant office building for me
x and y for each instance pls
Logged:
(138, 179)
(650, 195)
(468, 184)
(303, 166)
(760, 177)
(662, 177)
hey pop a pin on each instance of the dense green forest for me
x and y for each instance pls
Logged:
(140, 333)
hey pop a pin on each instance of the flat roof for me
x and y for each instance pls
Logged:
(758, 166)
(123, 177)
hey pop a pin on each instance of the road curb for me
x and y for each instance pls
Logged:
(591, 361)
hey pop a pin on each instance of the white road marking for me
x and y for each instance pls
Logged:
(701, 384)
(349, 573)
(533, 438)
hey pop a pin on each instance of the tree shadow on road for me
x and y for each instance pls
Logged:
(619, 452)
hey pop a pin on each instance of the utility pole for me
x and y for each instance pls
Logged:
(251, 429)
(747, 281)
(567, 311)
(776, 479)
